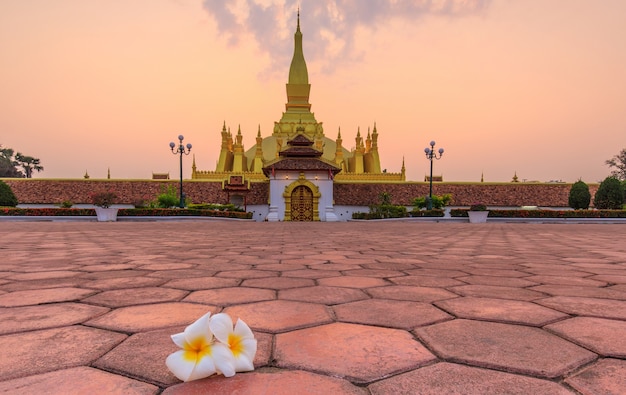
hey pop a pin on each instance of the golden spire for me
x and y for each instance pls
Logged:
(298, 73)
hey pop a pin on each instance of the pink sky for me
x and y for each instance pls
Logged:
(534, 87)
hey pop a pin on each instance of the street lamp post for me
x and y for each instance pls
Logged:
(430, 155)
(181, 150)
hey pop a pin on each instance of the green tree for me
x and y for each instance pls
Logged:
(7, 197)
(579, 196)
(619, 163)
(7, 164)
(28, 163)
(610, 194)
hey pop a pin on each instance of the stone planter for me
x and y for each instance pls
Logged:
(478, 217)
(108, 214)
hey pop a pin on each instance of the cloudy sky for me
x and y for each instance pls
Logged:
(532, 87)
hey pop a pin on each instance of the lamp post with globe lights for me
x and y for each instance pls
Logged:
(430, 155)
(182, 149)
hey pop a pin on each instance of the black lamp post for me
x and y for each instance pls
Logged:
(430, 155)
(181, 150)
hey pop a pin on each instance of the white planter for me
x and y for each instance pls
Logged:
(108, 214)
(478, 217)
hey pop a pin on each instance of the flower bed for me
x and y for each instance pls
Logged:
(546, 213)
(427, 213)
(131, 212)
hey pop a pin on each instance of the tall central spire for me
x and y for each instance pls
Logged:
(298, 73)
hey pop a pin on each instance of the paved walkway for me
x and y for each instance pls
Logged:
(341, 308)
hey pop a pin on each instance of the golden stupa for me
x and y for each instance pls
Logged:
(361, 165)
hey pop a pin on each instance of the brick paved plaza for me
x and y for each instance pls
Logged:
(337, 308)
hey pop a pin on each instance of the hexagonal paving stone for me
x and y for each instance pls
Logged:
(25, 354)
(353, 282)
(572, 290)
(607, 377)
(278, 282)
(593, 307)
(426, 281)
(566, 280)
(357, 352)
(416, 294)
(149, 317)
(322, 294)
(315, 274)
(122, 283)
(512, 348)
(19, 319)
(448, 378)
(83, 380)
(231, 296)
(378, 273)
(390, 313)
(606, 337)
(498, 281)
(493, 291)
(134, 296)
(244, 274)
(198, 283)
(275, 382)
(280, 315)
(39, 296)
(43, 275)
(501, 310)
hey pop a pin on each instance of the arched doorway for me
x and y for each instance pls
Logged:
(302, 204)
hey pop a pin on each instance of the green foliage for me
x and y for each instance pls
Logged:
(478, 207)
(168, 198)
(610, 195)
(9, 162)
(66, 204)
(579, 196)
(103, 199)
(618, 162)
(215, 206)
(385, 199)
(545, 213)
(439, 201)
(7, 197)
(427, 213)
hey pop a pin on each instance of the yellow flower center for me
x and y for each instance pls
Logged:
(235, 343)
(197, 349)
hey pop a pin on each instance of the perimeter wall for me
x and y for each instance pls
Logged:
(77, 191)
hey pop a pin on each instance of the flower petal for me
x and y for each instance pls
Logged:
(222, 326)
(200, 328)
(243, 330)
(181, 365)
(244, 362)
(223, 359)
(179, 339)
(204, 368)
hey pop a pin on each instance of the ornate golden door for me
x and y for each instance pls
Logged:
(302, 204)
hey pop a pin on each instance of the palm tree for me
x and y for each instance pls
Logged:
(28, 163)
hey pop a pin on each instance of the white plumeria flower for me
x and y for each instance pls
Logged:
(240, 340)
(200, 355)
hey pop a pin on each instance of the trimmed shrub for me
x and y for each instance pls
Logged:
(439, 202)
(610, 195)
(579, 196)
(7, 197)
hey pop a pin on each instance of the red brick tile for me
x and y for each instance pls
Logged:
(134, 296)
(198, 283)
(512, 348)
(43, 275)
(566, 280)
(278, 282)
(592, 307)
(379, 273)
(497, 281)
(244, 274)
(448, 378)
(123, 282)
(149, 317)
(50, 295)
(607, 377)
(493, 291)
(42, 284)
(353, 282)
(20, 319)
(79, 380)
(426, 281)
(280, 315)
(275, 382)
(405, 292)
(314, 274)
(322, 294)
(605, 337)
(501, 310)
(573, 290)
(29, 353)
(360, 353)
(231, 296)
(390, 313)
